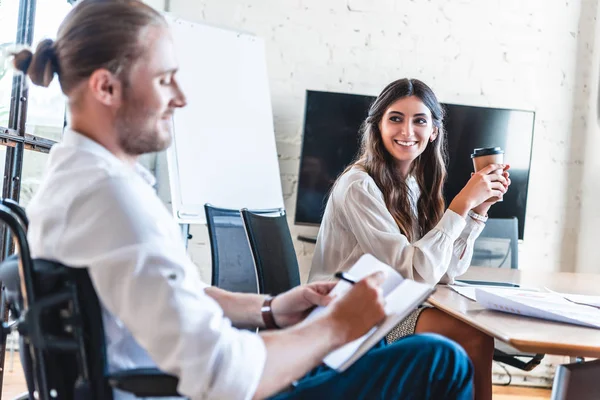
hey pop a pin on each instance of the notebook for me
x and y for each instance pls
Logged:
(402, 296)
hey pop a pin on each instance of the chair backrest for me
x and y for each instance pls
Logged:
(60, 323)
(71, 332)
(232, 264)
(273, 251)
(498, 244)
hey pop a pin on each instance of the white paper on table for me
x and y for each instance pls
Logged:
(593, 301)
(468, 291)
(548, 306)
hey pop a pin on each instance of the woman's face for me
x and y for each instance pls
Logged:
(406, 128)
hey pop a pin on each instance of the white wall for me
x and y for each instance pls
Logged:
(588, 115)
(534, 55)
(495, 53)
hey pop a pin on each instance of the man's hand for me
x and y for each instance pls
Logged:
(360, 309)
(293, 306)
(292, 352)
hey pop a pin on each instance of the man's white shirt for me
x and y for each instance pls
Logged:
(93, 210)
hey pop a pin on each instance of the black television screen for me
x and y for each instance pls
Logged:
(331, 141)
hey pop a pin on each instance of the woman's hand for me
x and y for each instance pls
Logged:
(485, 186)
(483, 208)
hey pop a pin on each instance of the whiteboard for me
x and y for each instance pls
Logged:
(223, 150)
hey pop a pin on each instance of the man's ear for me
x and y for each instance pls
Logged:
(105, 87)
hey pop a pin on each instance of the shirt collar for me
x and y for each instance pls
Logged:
(75, 139)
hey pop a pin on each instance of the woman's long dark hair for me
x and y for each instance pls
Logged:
(429, 169)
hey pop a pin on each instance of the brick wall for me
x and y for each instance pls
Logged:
(533, 55)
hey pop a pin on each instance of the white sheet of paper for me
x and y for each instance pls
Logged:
(593, 301)
(365, 266)
(467, 291)
(549, 306)
(398, 305)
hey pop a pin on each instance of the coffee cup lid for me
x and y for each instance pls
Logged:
(486, 151)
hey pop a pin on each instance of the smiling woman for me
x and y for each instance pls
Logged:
(389, 203)
(401, 123)
(405, 136)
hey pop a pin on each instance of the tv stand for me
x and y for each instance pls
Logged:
(309, 239)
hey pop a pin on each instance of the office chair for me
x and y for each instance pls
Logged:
(232, 263)
(273, 251)
(498, 244)
(59, 319)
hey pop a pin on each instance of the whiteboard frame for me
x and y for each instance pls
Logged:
(195, 214)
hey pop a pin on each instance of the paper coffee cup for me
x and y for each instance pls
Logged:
(485, 156)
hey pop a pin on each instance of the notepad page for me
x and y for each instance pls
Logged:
(398, 305)
(366, 265)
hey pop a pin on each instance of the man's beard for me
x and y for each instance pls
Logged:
(137, 131)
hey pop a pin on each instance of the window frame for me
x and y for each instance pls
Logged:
(15, 137)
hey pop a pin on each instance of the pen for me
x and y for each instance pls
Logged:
(345, 277)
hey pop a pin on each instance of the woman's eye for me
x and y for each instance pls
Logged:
(395, 119)
(421, 121)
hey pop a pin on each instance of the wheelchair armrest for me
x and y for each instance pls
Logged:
(145, 382)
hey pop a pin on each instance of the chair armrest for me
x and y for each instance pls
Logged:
(513, 361)
(145, 382)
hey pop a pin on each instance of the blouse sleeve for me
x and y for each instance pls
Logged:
(427, 260)
(463, 250)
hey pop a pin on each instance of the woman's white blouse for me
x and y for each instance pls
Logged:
(357, 222)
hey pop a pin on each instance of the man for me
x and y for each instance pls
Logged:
(96, 208)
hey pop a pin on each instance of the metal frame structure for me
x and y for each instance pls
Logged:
(15, 138)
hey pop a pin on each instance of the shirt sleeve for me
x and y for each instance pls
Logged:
(376, 232)
(144, 277)
(463, 250)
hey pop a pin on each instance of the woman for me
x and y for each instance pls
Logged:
(389, 203)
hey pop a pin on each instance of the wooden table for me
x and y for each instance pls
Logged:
(526, 334)
(531, 335)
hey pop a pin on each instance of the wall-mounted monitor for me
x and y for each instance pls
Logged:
(331, 141)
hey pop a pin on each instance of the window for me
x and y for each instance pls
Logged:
(46, 106)
(24, 144)
(9, 11)
(34, 165)
(2, 162)
(36, 121)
